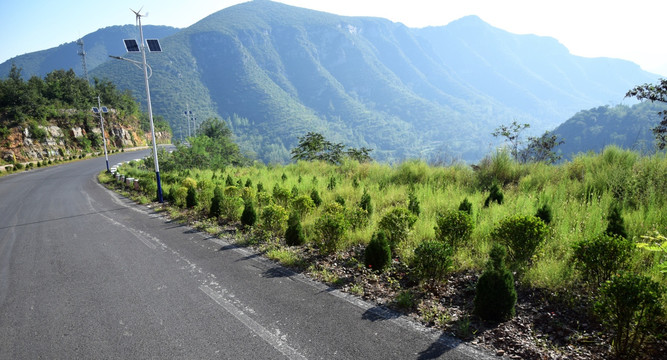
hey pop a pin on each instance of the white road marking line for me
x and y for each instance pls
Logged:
(274, 340)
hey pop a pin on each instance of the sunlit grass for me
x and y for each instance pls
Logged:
(579, 194)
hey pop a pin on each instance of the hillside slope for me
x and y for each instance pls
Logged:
(276, 72)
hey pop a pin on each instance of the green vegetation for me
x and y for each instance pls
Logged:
(574, 251)
(629, 304)
(377, 255)
(63, 99)
(495, 296)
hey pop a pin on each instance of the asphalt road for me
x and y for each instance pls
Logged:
(86, 274)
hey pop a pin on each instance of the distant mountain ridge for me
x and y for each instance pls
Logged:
(276, 72)
(97, 45)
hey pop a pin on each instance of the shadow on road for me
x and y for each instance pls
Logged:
(62, 218)
(380, 313)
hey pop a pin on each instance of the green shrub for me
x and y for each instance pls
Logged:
(432, 260)
(18, 166)
(454, 228)
(281, 195)
(294, 233)
(248, 183)
(332, 183)
(615, 226)
(260, 187)
(397, 224)
(317, 200)
(522, 235)
(466, 206)
(495, 295)
(340, 199)
(544, 214)
(191, 198)
(249, 215)
(273, 219)
(630, 305)
(495, 195)
(600, 257)
(303, 205)
(229, 181)
(365, 203)
(331, 227)
(413, 204)
(357, 217)
(149, 187)
(378, 253)
(405, 299)
(216, 203)
(180, 195)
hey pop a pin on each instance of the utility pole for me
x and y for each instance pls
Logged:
(153, 46)
(99, 110)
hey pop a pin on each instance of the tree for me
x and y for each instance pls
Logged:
(541, 149)
(512, 134)
(313, 146)
(654, 93)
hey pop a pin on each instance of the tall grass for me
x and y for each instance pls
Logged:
(579, 193)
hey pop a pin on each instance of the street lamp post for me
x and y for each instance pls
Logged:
(154, 46)
(102, 109)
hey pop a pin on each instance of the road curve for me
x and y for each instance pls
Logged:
(86, 274)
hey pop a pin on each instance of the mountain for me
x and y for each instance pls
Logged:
(628, 127)
(276, 72)
(97, 45)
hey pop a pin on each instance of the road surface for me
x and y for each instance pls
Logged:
(86, 274)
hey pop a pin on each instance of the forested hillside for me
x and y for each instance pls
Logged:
(52, 117)
(629, 127)
(276, 72)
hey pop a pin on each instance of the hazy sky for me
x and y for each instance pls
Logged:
(630, 29)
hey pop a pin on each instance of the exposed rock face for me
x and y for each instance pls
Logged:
(22, 146)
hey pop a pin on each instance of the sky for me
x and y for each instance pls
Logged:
(630, 30)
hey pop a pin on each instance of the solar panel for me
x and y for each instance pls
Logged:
(96, 110)
(153, 45)
(104, 109)
(131, 45)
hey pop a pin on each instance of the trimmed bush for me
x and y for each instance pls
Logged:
(216, 203)
(274, 218)
(600, 257)
(357, 217)
(294, 233)
(397, 224)
(365, 203)
(630, 306)
(454, 228)
(303, 205)
(544, 214)
(616, 225)
(317, 200)
(432, 260)
(495, 195)
(495, 295)
(331, 227)
(413, 204)
(249, 215)
(522, 235)
(281, 195)
(466, 206)
(378, 253)
(191, 198)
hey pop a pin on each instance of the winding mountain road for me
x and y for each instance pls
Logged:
(87, 274)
